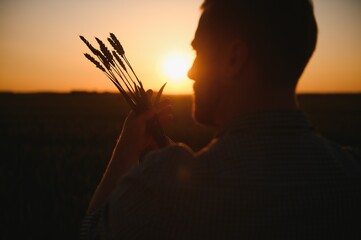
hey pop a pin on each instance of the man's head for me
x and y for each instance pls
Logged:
(250, 44)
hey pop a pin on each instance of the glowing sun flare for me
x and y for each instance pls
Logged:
(176, 66)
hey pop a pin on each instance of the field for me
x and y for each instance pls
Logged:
(54, 148)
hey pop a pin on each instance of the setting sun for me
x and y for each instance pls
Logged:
(157, 39)
(176, 66)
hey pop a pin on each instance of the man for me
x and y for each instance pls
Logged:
(266, 175)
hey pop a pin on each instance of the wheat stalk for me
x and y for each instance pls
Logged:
(115, 65)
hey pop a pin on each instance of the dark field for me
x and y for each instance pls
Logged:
(54, 148)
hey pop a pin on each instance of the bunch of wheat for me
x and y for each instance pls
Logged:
(115, 65)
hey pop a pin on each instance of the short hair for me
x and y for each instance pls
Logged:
(282, 34)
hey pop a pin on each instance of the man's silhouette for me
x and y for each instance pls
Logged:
(266, 175)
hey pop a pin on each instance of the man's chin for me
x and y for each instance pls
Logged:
(201, 120)
(205, 104)
(203, 116)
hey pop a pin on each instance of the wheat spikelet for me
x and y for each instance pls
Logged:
(119, 61)
(103, 59)
(115, 65)
(105, 51)
(96, 63)
(92, 49)
(159, 94)
(112, 43)
(117, 45)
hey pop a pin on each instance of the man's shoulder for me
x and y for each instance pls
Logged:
(353, 152)
(352, 158)
(173, 154)
(164, 167)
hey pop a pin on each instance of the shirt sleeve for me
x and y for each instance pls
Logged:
(134, 207)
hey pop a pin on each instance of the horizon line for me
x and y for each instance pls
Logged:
(187, 94)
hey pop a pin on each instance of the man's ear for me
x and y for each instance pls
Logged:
(237, 56)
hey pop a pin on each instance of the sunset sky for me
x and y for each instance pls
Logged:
(41, 51)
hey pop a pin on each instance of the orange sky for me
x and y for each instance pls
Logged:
(41, 51)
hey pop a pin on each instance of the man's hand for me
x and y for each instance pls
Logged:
(135, 138)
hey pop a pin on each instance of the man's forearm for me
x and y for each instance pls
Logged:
(132, 142)
(121, 162)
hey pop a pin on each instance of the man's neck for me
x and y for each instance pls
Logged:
(237, 104)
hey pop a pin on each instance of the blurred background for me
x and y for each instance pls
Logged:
(41, 51)
(60, 116)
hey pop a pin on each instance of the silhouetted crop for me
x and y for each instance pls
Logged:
(115, 65)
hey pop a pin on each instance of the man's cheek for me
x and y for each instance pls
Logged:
(203, 68)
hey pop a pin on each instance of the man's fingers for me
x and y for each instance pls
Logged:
(164, 112)
(162, 105)
(164, 119)
(159, 108)
(149, 93)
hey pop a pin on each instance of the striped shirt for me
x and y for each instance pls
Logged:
(265, 176)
